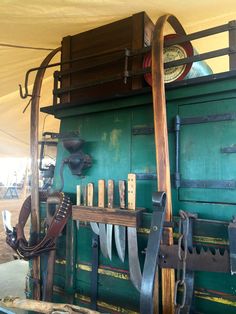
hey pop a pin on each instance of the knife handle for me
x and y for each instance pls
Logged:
(131, 191)
(122, 193)
(85, 195)
(110, 194)
(90, 194)
(101, 193)
(78, 195)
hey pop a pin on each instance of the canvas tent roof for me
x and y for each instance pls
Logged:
(42, 24)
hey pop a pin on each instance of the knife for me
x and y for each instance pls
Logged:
(120, 231)
(110, 198)
(134, 265)
(93, 225)
(85, 195)
(102, 226)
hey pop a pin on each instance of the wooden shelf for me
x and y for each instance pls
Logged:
(114, 216)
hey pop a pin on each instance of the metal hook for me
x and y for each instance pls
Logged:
(26, 94)
(21, 92)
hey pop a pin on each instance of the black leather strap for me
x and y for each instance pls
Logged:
(94, 273)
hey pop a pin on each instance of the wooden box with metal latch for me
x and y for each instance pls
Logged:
(97, 60)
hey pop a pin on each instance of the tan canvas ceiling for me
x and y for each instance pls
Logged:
(42, 24)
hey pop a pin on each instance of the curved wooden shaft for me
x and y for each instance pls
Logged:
(161, 141)
(34, 166)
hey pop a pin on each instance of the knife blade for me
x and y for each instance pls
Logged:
(110, 198)
(6, 219)
(102, 226)
(134, 265)
(90, 189)
(120, 231)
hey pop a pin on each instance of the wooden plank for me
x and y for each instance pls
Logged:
(137, 43)
(114, 216)
(65, 56)
(142, 28)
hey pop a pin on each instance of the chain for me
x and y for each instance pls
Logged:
(182, 254)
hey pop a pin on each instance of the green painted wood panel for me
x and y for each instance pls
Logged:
(107, 129)
(200, 154)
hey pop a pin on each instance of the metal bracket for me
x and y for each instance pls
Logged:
(150, 265)
(208, 184)
(142, 130)
(146, 176)
(228, 150)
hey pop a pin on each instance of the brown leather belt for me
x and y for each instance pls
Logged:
(16, 238)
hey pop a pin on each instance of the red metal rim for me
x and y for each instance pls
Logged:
(188, 48)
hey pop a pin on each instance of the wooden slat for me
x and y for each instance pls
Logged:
(114, 216)
(137, 43)
(65, 56)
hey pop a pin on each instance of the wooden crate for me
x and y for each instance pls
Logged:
(104, 45)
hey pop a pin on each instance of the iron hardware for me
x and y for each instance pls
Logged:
(208, 184)
(146, 176)
(142, 130)
(209, 118)
(228, 150)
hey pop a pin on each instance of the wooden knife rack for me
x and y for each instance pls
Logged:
(113, 216)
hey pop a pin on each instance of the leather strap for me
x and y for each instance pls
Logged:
(16, 238)
(94, 273)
